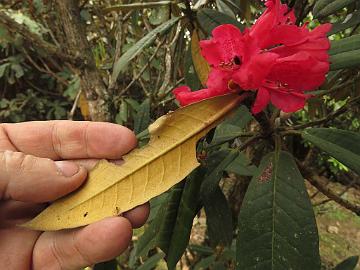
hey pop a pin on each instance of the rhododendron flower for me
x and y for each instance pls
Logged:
(276, 58)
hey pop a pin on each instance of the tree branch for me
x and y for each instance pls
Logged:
(76, 43)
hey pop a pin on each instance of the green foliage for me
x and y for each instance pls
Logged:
(348, 264)
(277, 228)
(340, 144)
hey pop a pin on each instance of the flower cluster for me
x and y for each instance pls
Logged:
(275, 57)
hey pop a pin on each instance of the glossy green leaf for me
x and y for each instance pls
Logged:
(233, 126)
(147, 240)
(345, 45)
(277, 228)
(341, 144)
(218, 218)
(209, 19)
(224, 8)
(205, 263)
(191, 77)
(142, 119)
(241, 166)
(325, 8)
(343, 60)
(151, 262)
(348, 264)
(136, 49)
(181, 209)
(351, 20)
(218, 213)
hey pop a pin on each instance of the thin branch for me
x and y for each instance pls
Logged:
(326, 119)
(143, 69)
(74, 106)
(315, 180)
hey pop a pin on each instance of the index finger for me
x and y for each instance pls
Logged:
(67, 139)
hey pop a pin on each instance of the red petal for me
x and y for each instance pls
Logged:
(218, 80)
(300, 71)
(252, 75)
(224, 46)
(185, 97)
(287, 101)
(262, 99)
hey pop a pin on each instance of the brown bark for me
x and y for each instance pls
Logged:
(76, 43)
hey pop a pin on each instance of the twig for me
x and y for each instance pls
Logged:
(118, 48)
(315, 180)
(142, 70)
(74, 106)
(324, 120)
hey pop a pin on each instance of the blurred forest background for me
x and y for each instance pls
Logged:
(81, 60)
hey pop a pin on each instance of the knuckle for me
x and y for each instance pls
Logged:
(18, 162)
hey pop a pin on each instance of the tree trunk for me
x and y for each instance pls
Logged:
(76, 43)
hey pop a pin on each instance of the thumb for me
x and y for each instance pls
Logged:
(31, 179)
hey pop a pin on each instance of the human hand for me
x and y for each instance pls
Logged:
(43, 161)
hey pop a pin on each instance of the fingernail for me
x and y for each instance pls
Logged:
(67, 168)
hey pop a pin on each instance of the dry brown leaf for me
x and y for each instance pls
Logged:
(147, 172)
(201, 66)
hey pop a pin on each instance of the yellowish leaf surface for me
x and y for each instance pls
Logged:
(201, 66)
(169, 157)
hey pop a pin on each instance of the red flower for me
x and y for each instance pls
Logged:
(275, 57)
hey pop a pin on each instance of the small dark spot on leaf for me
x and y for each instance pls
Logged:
(86, 214)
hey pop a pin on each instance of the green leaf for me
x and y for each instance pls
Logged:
(205, 263)
(147, 240)
(218, 213)
(232, 127)
(345, 45)
(341, 144)
(240, 117)
(350, 21)
(151, 262)
(159, 15)
(19, 71)
(137, 48)
(224, 8)
(183, 206)
(348, 264)
(110, 265)
(277, 228)
(191, 77)
(241, 166)
(3, 68)
(218, 218)
(142, 118)
(345, 60)
(325, 8)
(209, 19)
